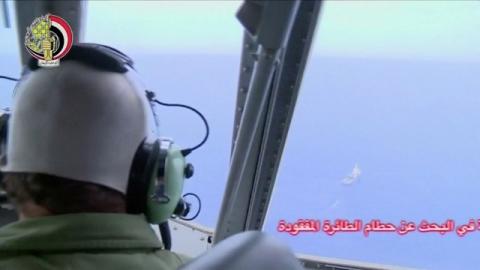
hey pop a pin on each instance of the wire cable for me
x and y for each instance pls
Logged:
(9, 78)
(186, 151)
(199, 206)
(164, 230)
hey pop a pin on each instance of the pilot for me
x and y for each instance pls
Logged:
(73, 135)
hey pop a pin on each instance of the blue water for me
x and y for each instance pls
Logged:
(412, 127)
(414, 130)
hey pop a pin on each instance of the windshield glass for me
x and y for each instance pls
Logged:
(9, 54)
(387, 127)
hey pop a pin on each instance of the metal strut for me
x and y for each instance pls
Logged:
(281, 32)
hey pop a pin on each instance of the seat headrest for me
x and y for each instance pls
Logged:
(248, 250)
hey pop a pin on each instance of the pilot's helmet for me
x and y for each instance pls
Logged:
(78, 121)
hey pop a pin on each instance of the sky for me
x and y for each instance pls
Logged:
(398, 29)
(390, 86)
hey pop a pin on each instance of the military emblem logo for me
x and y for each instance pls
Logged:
(48, 39)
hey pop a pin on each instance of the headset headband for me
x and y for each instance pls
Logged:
(95, 55)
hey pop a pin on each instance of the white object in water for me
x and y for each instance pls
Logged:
(352, 177)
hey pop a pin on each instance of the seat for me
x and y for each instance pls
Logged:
(248, 250)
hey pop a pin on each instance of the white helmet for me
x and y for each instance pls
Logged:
(78, 121)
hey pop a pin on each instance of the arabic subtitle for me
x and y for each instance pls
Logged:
(332, 227)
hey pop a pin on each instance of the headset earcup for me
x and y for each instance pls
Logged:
(4, 117)
(143, 170)
(156, 180)
(166, 192)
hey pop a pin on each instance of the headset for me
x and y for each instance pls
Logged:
(159, 167)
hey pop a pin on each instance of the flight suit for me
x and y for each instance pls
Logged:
(84, 241)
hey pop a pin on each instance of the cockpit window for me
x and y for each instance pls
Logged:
(387, 128)
(9, 53)
(186, 52)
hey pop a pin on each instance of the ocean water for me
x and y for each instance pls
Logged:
(412, 127)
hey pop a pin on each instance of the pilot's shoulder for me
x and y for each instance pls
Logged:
(173, 258)
(156, 259)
